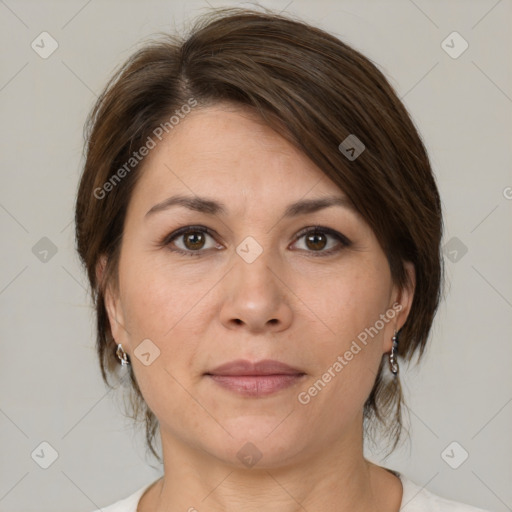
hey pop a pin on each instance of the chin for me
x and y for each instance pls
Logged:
(262, 442)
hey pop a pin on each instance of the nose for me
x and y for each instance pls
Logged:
(256, 297)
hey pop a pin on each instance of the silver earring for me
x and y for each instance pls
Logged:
(122, 355)
(393, 363)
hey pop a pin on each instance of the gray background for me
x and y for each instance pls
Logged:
(50, 385)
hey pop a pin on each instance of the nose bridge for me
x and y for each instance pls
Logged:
(253, 260)
(256, 296)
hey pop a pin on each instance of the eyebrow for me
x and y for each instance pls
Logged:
(212, 207)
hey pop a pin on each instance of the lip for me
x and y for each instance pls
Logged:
(241, 367)
(255, 379)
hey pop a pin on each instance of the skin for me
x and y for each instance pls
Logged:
(292, 304)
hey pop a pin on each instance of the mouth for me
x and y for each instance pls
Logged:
(255, 379)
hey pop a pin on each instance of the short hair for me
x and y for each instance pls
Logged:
(314, 90)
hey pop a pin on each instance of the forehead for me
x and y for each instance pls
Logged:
(229, 153)
(229, 134)
(229, 157)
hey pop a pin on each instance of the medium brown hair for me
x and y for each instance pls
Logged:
(314, 90)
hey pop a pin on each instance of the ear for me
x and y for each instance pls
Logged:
(112, 303)
(401, 303)
(405, 295)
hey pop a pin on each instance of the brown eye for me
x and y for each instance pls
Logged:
(190, 240)
(194, 240)
(316, 241)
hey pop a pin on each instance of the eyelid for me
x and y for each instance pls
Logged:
(324, 230)
(181, 231)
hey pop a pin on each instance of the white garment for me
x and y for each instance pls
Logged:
(414, 499)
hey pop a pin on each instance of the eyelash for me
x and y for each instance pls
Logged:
(344, 241)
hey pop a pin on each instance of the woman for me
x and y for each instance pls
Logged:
(261, 230)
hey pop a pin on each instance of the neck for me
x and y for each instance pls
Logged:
(337, 479)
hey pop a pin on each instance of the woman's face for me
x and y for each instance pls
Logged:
(246, 279)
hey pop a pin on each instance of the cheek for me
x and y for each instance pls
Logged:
(348, 299)
(348, 344)
(154, 297)
(158, 305)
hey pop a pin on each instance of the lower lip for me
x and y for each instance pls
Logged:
(256, 385)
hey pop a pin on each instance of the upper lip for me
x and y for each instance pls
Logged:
(244, 367)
